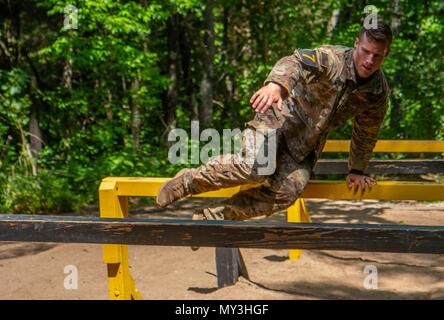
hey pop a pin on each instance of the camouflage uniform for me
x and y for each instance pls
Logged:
(323, 92)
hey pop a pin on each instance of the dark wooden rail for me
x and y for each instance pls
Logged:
(161, 232)
(411, 166)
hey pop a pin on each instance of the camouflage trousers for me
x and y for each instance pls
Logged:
(270, 193)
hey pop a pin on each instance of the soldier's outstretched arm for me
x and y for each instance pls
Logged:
(366, 127)
(303, 66)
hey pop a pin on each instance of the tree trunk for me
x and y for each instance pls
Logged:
(333, 22)
(135, 116)
(108, 105)
(27, 153)
(34, 129)
(67, 74)
(172, 96)
(67, 67)
(186, 41)
(206, 85)
(395, 114)
(231, 110)
(395, 22)
(12, 31)
(35, 138)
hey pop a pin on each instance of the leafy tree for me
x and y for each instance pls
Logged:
(77, 105)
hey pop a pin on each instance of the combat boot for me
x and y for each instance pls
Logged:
(208, 214)
(174, 189)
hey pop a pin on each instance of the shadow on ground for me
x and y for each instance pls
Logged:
(10, 250)
(320, 211)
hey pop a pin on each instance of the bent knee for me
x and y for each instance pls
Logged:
(287, 199)
(287, 195)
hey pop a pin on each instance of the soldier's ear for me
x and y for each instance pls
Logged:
(356, 42)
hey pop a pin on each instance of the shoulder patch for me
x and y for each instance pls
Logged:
(309, 57)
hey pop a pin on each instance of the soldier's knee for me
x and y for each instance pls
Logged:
(287, 195)
(288, 198)
(292, 187)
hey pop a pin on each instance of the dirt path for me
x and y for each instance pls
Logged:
(36, 270)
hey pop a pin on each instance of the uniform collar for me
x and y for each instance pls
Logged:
(349, 69)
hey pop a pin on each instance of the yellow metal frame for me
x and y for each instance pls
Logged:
(114, 193)
(297, 213)
(316, 189)
(407, 146)
(294, 213)
(120, 283)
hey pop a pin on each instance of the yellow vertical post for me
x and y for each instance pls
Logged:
(120, 283)
(297, 213)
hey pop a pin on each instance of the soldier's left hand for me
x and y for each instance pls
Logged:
(360, 182)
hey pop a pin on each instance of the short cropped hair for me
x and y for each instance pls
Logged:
(382, 33)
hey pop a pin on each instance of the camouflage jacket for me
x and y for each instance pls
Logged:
(323, 95)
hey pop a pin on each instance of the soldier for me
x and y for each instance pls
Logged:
(305, 96)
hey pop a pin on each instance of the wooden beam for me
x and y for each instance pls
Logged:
(161, 232)
(389, 146)
(410, 166)
(316, 189)
(229, 266)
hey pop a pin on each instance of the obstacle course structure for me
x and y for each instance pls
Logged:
(115, 230)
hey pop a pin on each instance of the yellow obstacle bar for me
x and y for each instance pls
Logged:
(389, 146)
(384, 190)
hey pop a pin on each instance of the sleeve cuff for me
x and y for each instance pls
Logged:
(281, 82)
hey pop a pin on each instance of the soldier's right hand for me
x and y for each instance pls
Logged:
(262, 100)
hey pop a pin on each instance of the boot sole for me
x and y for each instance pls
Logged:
(163, 205)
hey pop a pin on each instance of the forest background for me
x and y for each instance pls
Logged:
(90, 89)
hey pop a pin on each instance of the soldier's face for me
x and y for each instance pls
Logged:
(368, 56)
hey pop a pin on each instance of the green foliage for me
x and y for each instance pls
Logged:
(14, 100)
(44, 193)
(101, 91)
